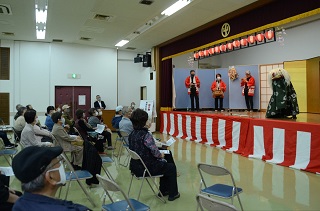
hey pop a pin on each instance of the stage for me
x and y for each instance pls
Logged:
(286, 142)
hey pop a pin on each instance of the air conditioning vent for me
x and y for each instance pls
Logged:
(101, 17)
(131, 48)
(85, 38)
(7, 33)
(5, 9)
(57, 40)
(146, 2)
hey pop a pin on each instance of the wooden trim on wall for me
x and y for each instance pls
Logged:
(313, 86)
(4, 63)
(4, 108)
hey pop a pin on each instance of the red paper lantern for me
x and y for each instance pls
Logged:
(260, 37)
(211, 51)
(196, 55)
(269, 34)
(223, 48)
(236, 43)
(244, 42)
(205, 53)
(201, 53)
(229, 46)
(251, 39)
(217, 49)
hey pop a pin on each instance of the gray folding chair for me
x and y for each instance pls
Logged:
(7, 153)
(126, 204)
(125, 144)
(78, 175)
(211, 204)
(218, 190)
(146, 175)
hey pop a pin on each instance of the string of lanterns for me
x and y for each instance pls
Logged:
(263, 37)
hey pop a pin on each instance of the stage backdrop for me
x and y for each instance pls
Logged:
(233, 98)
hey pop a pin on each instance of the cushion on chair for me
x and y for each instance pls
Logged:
(221, 190)
(123, 205)
(8, 152)
(106, 159)
(82, 174)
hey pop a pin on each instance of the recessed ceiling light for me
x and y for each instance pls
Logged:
(122, 43)
(176, 7)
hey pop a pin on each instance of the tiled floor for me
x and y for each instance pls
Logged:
(266, 186)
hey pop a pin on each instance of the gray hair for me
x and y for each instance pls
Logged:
(35, 185)
(125, 110)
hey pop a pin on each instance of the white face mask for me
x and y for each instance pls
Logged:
(62, 174)
(100, 113)
(59, 109)
(63, 120)
(95, 113)
(218, 78)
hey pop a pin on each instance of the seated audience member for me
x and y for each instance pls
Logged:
(28, 136)
(87, 132)
(132, 106)
(17, 108)
(125, 124)
(142, 142)
(20, 121)
(6, 142)
(41, 173)
(29, 107)
(94, 121)
(8, 196)
(69, 122)
(42, 133)
(49, 123)
(69, 144)
(117, 118)
(99, 104)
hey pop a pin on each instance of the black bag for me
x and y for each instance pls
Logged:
(91, 162)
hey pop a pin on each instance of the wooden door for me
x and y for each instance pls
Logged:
(82, 98)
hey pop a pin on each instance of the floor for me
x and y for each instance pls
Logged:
(266, 186)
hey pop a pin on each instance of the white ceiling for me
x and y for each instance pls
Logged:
(71, 19)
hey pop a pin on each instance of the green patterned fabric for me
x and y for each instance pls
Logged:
(283, 101)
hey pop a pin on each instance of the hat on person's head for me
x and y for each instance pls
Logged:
(32, 161)
(119, 108)
(65, 107)
(248, 72)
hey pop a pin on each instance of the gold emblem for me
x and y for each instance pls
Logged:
(225, 30)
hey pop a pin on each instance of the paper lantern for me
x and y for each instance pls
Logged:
(201, 53)
(236, 43)
(244, 42)
(229, 46)
(251, 39)
(269, 34)
(223, 48)
(205, 53)
(196, 55)
(211, 51)
(217, 49)
(260, 37)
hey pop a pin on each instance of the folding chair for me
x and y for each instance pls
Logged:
(7, 152)
(78, 175)
(218, 190)
(145, 176)
(118, 139)
(125, 144)
(207, 203)
(126, 204)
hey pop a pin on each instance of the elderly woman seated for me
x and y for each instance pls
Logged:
(142, 142)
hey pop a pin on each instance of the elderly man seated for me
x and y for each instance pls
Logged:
(28, 136)
(73, 144)
(41, 173)
(125, 124)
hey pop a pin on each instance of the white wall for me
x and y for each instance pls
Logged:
(131, 77)
(36, 68)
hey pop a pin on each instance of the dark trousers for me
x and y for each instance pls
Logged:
(194, 96)
(107, 136)
(168, 183)
(216, 103)
(249, 100)
(4, 181)
(4, 137)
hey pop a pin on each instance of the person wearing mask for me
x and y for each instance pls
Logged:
(125, 124)
(8, 196)
(93, 121)
(69, 122)
(192, 83)
(99, 104)
(248, 86)
(132, 106)
(142, 142)
(72, 144)
(41, 173)
(49, 123)
(218, 88)
(28, 136)
(117, 118)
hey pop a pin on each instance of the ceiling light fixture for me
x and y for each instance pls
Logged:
(41, 15)
(41, 9)
(122, 43)
(176, 7)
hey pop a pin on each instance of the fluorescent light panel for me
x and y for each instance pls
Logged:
(41, 15)
(176, 7)
(41, 34)
(41, 18)
(122, 43)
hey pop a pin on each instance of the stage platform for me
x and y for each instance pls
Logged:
(286, 142)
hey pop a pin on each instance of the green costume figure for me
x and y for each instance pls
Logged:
(283, 102)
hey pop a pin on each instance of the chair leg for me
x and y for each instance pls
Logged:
(86, 193)
(155, 184)
(239, 201)
(67, 190)
(141, 187)
(130, 185)
(107, 173)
